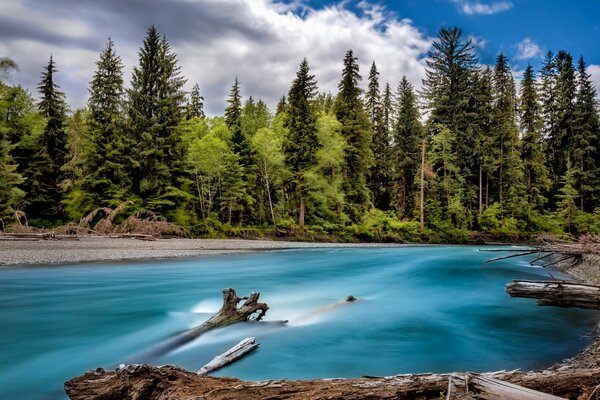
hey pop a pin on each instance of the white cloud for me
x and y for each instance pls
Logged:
(262, 44)
(477, 7)
(527, 49)
(594, 71)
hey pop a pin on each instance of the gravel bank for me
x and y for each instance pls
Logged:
(92, 249)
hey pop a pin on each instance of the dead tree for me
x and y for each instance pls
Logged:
(230, 313)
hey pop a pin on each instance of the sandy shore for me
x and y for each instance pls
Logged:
(93, 249)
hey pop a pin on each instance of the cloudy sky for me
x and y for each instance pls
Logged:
(263, 41)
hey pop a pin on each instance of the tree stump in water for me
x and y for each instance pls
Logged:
(230, 313)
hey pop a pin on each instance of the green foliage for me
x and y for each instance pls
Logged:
(350, 112)
(155, 109)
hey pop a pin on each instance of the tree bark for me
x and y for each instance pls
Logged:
(557, 293)
(301, 212)
(229, 314)
(169, 382)
(235, 353)
(423, 187)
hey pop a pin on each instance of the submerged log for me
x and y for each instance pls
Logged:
(235, 353)
(230, 313)
(169, 382)
(557, 293)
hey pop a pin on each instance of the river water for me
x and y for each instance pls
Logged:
(421, 309)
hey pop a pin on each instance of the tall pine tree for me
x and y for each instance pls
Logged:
(108, 181)
(380, 171)
(408, 133)
(350, 112)
(533, 152)
(156, 102)
(195, 105)
(301, 143)
(44, 172)
(585, 143)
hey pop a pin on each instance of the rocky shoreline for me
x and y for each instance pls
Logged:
(33, 251)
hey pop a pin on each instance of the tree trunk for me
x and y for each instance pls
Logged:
(229, 314)
(557, 293)
(480, 191)
(170, 382)
(423, 187)
(301, 212)
(501, 176)
(270, 200)
(235, 353)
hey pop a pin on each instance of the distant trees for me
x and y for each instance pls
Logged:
(479, 156)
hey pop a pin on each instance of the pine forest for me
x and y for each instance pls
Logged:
(476, 152)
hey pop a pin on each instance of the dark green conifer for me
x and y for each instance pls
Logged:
(350, 112)
(44, 172)
(195, 106)
(407, 138)
(301, 141)
(533, 152)
(156, 102)
(381, 170)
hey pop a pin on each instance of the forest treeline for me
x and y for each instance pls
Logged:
(470, 152)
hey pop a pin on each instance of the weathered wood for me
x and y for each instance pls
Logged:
(235, 353)
(168, 382)
(490, 388)
(557, 293)
(230, 313)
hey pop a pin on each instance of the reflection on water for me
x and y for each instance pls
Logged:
(421, 309)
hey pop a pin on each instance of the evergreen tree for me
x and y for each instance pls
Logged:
(549, 112)
(44, 172)
(407, 138)
(281, 105)
(561, 140)
(532, 153)
(11, 195)
(301, 143)
(233, 119)
(387, 108)
(380, 171)
(585, 143)
(447, 89)
(567, 196)
(506, 137)
(448, 93)
(156, 102)
(195, 106)
(350, 112)
(485, 151)
(108, 181)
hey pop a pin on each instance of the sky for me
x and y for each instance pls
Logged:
(262, 42)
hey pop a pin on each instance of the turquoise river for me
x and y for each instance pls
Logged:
(421, 309)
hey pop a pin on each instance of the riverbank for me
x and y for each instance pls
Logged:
(570, 378)
(99, 248)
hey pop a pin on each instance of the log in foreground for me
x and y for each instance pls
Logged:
(557, 293)
(230, 313)
(169, 382)
(235, 353)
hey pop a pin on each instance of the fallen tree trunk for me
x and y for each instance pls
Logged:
(235, 353)
(229, 314)
(557, 293)
(169, 382)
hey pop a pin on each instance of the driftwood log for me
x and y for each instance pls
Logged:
(235, 353)
(169, 382)
(230, 313)
(557, 293)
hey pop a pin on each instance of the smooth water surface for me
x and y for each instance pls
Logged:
(422, 309)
